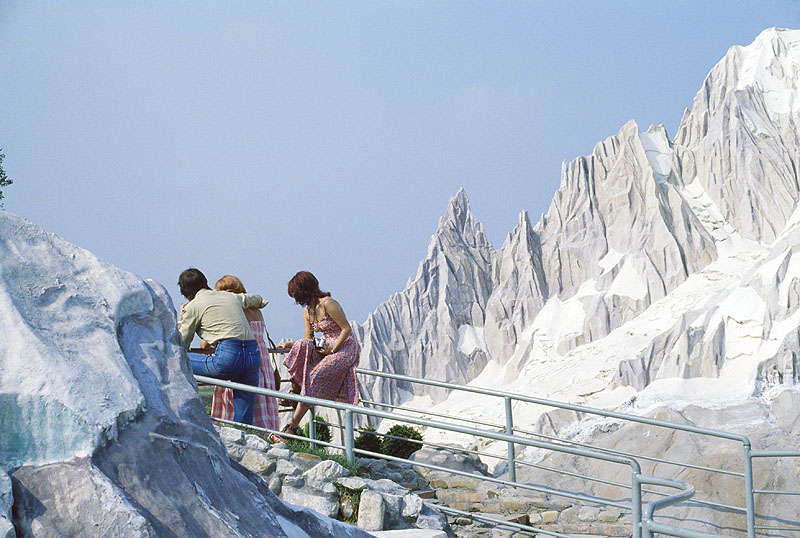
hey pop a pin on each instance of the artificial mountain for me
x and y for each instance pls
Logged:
(663, 281)
(661, 266)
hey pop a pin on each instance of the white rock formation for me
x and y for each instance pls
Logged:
(663, 280)
(417, 331)
(656, 260)
(104, 433)
(740, 140)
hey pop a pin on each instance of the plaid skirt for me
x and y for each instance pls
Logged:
(265, 414)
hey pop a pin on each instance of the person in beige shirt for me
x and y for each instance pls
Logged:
(218, 318)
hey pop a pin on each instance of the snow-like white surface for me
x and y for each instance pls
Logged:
(656, 148)
(560, 320)
(610, 260)
(774, 75)
(629, 281)
(470, 338)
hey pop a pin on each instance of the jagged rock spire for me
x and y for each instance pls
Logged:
(421, 324)
(740, 139)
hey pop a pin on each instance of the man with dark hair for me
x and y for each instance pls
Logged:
(191, 281)
(218, 318)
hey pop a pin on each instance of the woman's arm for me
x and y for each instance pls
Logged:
(334, 310)
(308, 331)
(253, 314)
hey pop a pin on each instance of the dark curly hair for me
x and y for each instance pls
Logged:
(304, 289)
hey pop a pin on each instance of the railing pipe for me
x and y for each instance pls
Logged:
(348, 434)
(748, 470)
(518, 431)
(750, 491)
(512, 469)
(636, 505)
(501, 522)
(649, 527)
(749, 495)
(631, 454)
(774, 454)
(552, 403)
(419, 421)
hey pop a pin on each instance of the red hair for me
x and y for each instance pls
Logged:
(230, 283)
(304, 289)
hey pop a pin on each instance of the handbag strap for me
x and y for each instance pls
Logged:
(272, 345)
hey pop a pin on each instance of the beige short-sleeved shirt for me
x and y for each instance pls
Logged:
(217, 315)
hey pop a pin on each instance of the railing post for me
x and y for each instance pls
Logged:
(348, 435)
(512, 469)
(647, 517)
(748, 490)
(312, 426)
(636, 507)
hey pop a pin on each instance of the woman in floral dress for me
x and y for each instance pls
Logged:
(328, 372)
(265, 413)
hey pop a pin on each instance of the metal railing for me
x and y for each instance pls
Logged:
(747, 452)
(642, 519)
(511, 438)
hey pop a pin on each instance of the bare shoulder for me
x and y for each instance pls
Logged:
(333, 308)
(330, 302)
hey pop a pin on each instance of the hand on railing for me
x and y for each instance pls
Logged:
(205, 348)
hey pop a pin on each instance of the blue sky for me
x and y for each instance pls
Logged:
(261, 138)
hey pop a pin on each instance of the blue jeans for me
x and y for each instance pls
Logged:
(234, 360)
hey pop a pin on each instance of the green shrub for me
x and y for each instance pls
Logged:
(368, 441)
(323, 430)
(399, 443)
(323, 434)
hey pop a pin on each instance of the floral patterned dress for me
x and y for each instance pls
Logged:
(265, 413)
(332, 377)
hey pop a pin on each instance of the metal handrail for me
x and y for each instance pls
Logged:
(542, 467)
(349, 449)
(562, 405)
(649, 526)
(553, 438)
(747, 451)
(637, 478)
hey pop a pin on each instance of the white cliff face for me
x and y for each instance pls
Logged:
(619, 222)
(665, 270)
(520, 290)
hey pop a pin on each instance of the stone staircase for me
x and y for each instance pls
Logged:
(517, 505)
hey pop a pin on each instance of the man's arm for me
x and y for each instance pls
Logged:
(252, 300)
(188, 324)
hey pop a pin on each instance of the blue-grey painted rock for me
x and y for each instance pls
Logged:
(105, 432)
